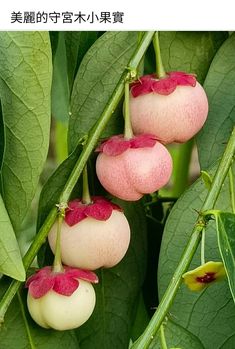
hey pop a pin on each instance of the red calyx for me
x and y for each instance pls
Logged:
(64, 283)
(117, 145)
(100, 209)
(164, 86)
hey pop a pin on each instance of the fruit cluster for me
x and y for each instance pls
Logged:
(162, 111)
(95, 233)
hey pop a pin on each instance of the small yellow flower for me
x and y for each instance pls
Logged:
(199, 278)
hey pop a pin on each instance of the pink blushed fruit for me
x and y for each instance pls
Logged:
(135, 171)
(91, 243)
(173, 108)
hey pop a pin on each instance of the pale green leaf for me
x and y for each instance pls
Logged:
(10, 258)
(25, 84)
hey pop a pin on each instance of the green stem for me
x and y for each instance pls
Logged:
(181, 168)
(57, 265)
(160, 71)
(86, 198)
(32, 345)
(145, 339)
(162, 337)
(231, 189)
(203, 247)
(91, 142)
(128, 133)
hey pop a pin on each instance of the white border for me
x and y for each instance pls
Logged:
(145, 15)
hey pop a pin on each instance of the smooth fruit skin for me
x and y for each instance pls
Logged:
(135, 172)
(63, 312)
(91, 244)
(176, 117)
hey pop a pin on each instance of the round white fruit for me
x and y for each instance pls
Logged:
(59, 312)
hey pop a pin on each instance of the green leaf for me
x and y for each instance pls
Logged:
(177, 336)
(54, 38)
(10, 258)
(60, 85)
(141, 319)
(96, 79)
(225, 223)
(207, 179)
(21, 332)
(190, 51)
(77, 44)
(207, 314)
(25, 84)
(219, 86)
(118, 290)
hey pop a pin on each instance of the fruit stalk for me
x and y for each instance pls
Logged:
(86, 198)
(145, 339)
(57, 265)
(92, 140)
(128, 133)
(160, 71)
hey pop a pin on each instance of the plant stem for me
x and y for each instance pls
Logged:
(162, 337)
(160, 71)
(128, 133)
(91, 142)
(203, 247)
(86, 198)
(231, 189)
(145, 339)
(57, 265)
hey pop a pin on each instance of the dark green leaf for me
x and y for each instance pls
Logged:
(53, 187)
(10, 258)
(118, 290)
(25, 84)
(141, 320)
(210, 313)
(21, 332)
(189, 51)
(178, 337)
(60, 84)
(96, 79)
(225, 223)
(54, 38)
(77, 44)
(219, 86)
